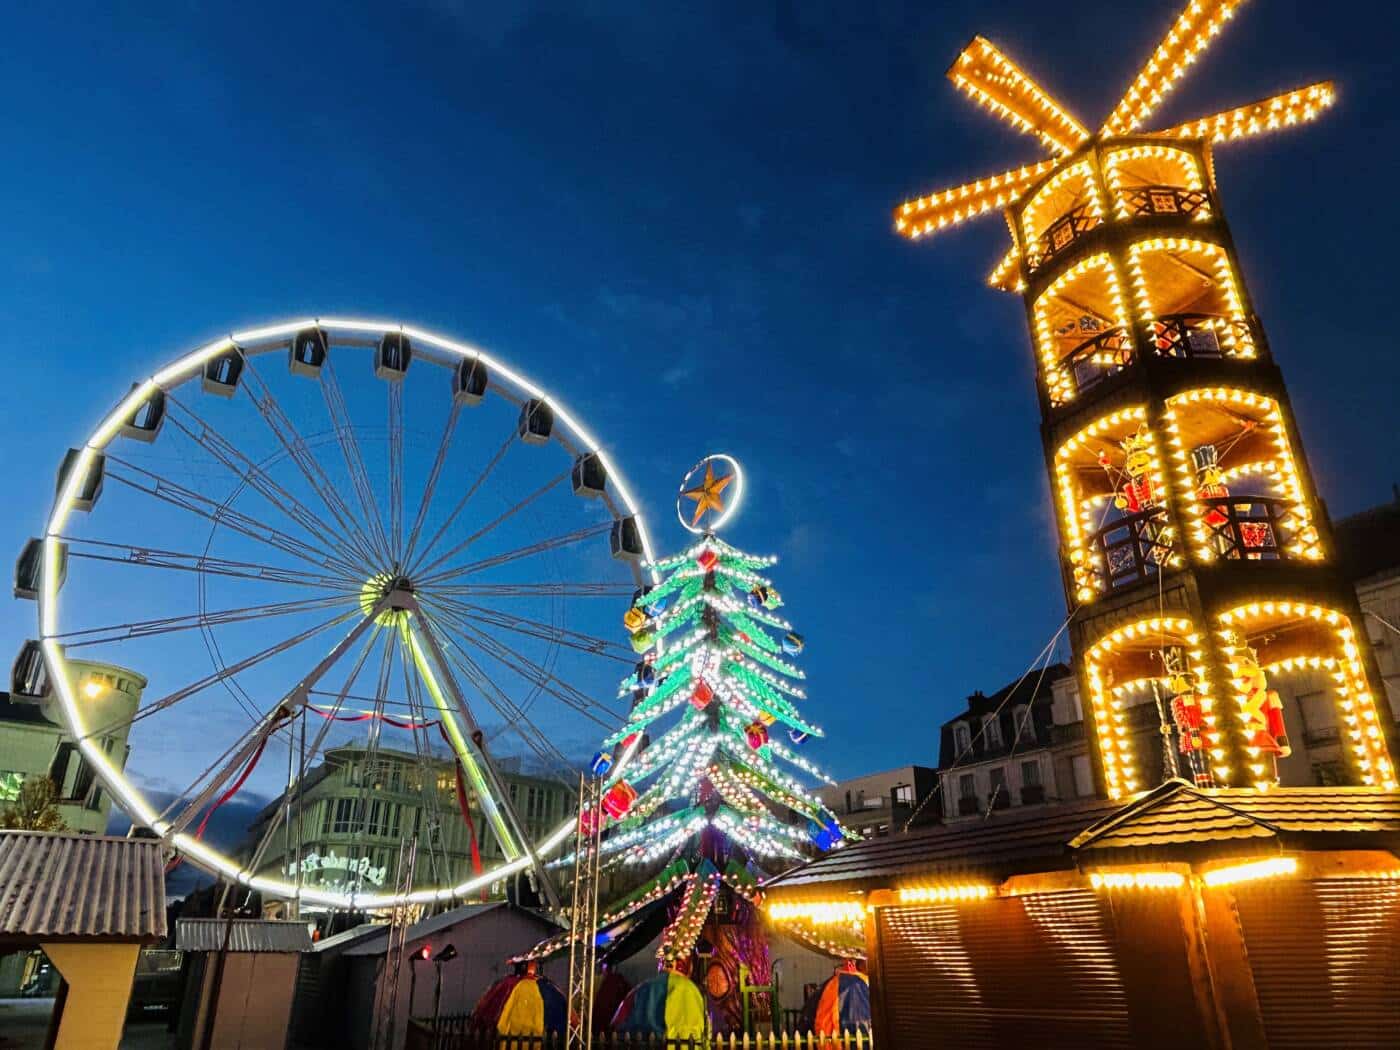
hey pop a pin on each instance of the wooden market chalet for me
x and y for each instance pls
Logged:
(1208, 898)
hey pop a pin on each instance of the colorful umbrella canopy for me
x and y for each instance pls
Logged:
(522, 1004)
(669, 1004)
(842, 1004)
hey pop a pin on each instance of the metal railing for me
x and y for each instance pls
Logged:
(1200, 336)
(1132, 547)
(1251, 528)
(1063, 232)
(1103, 354)
(1164, 200)
(458, 1033)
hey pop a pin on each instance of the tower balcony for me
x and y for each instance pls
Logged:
(1235, 465)
(1115, 527)
(1266, 642)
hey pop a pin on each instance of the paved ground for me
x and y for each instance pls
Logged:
(25, 1022)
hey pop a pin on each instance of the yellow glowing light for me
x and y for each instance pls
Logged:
(1251, 871)
(1270, 114)
(1191, 34)
(1136, 880)
(92, 688)
(993, 80)
(818, 913)
(965, 891)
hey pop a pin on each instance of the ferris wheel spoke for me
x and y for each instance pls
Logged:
(535, 674)
(177, 495)
(395, 395)
(148, 628)
(480, 767)
(349, 444)
(586, 643)
(218, 762)
(553, 589)
(200, 684)
(514, 718)
(553, 543)
(431, 485)
(300, 453)
(253, 476)
(461, 503)
(157, 558)
(504, 516)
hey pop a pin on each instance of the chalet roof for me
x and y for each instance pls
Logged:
(1178, 815)
(246, 935)
(1004, 844)
(376, 944)
(81, 887)
(1175, 821)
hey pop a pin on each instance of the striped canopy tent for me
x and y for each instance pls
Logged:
(842, 1004)
(522, 1004)
(669, 1005)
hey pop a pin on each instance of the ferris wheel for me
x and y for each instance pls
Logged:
(331, 529)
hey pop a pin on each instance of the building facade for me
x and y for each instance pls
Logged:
(34, 742)
(880, 803)
(1004, 751)
(343, 831)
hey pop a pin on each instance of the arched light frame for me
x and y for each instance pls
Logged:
(734, 500)
(112, 778)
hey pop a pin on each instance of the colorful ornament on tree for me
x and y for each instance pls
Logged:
(707, 560)
(634, 619)
(643, 640)
(701, 695)
(793, 643)
(757, 734)
(757, 597)
(618, 800)
(798, 736)
(602, 762)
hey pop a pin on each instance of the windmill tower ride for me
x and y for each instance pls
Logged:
(1196, 558)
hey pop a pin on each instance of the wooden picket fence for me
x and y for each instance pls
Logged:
(457, 1033)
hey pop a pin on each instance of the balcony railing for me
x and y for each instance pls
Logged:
(1252, 528)
(1063, 232)
(1208, 336)
(1134, 547)
(1164, 200)
(1102, 355)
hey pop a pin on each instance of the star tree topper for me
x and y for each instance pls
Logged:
(713, 506)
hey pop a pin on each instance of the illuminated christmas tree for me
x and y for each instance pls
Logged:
(705, 779)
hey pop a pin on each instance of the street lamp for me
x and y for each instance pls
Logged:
(419, 955)
(446, 955)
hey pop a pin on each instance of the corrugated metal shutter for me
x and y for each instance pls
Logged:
(1036, 970)
(306, 1001)
(1326, 960)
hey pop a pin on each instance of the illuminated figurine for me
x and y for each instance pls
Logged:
(1210, 483)
(1137, 493)
(1189, 718)
(1261, 708)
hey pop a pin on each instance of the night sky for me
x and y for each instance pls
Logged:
(680, 222)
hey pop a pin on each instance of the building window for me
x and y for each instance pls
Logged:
(904, 794)
(1083, 776)
(1021, 723)
(348, 816)
(962, 739)
(967, 786)
(1030, 774)
(997, 776)
(991, 731)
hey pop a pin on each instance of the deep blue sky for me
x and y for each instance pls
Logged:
(679, 221)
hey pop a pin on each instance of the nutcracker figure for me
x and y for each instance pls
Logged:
(1209, 483)
(1192, 739)
(1261, 710)
(1136, 491)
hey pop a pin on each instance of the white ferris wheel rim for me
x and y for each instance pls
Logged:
(212, 860)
